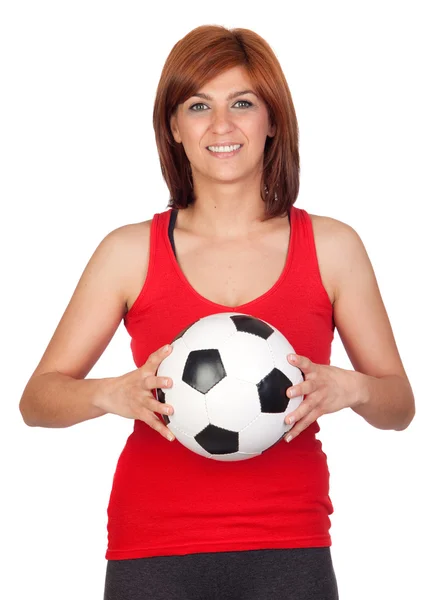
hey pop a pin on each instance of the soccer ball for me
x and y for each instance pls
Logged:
(230, 375)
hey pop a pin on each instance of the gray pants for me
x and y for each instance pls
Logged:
(289, 574)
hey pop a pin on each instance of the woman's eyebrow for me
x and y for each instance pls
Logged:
(230, 96)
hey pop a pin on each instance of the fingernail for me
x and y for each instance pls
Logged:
(290, 420)
(171, 438)
(293, 357)
(287, 439)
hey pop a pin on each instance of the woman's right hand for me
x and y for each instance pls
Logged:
(130, 395)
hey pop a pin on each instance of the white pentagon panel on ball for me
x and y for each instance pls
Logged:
(173, 365)
(265, 431)
(247, 357)
(280, 348)
(190, 411)
(209, 332)
(233, 404)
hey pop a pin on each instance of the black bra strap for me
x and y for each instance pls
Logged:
(172, 220)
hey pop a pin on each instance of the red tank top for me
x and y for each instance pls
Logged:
(167, 500)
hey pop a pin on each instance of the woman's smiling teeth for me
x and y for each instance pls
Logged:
(221, 149)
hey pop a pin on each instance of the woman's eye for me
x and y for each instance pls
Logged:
(198, 104)
(193, 107)
(244, 101)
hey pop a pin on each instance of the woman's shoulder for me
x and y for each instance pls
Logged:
(338, 246)
(332, 232)
(328, 224)
(127, 241)
(131, 244)
(131, 234)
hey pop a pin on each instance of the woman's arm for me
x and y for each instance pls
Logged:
(386, 400)
(57, 394)
(58, 400)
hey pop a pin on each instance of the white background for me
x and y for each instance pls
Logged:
(78, 159)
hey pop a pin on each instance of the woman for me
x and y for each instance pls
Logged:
(180, 526)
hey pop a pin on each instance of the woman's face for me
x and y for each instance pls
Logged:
(219, 115)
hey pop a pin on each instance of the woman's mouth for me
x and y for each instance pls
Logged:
(225, 151)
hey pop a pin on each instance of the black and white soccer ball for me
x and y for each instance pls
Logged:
(230, 375)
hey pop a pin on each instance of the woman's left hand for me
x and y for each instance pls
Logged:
(326, 389)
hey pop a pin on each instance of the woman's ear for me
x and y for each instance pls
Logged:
(272, 130)
(174, 128)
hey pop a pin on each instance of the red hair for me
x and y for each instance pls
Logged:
(201, 55)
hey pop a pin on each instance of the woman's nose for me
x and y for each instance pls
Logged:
(221, 119)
